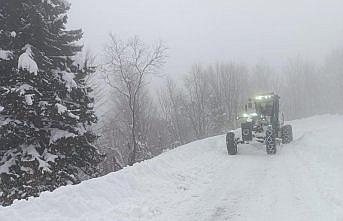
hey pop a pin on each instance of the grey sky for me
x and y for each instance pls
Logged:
(217, 30)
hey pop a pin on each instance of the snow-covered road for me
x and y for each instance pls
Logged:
(200, 182)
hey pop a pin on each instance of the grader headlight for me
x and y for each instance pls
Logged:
(263, 97)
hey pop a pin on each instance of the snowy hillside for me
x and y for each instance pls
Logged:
(199, 181)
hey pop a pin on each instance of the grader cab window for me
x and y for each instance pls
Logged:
(264, 108)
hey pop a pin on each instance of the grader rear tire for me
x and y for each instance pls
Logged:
(231, 143)
(286, 134)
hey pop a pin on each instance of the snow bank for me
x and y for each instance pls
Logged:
(113, 196)
(199, 181)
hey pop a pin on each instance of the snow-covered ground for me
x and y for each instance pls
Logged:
(199, 181)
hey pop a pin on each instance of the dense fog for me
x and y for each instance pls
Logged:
(218, 54)
(204, 31)
(90, 87)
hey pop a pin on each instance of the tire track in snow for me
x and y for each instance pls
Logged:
(234, 181)
(321, 187)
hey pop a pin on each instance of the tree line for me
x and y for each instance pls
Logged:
(206, 101)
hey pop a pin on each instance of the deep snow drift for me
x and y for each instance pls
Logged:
(199, 182)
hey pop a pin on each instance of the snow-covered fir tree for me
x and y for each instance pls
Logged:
(45, 110)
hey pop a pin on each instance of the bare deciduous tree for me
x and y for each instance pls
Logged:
(197, 106)
(301, 89)
(263, 79)
(172, 109)
(332, 75)
(232, 81)
(128, 64)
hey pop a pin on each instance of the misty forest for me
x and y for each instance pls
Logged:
(70, 113)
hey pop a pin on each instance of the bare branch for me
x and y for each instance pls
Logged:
(127, 65)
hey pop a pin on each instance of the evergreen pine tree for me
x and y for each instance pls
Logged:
(45, 109)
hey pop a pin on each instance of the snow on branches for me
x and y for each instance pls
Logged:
(61, 109)
(60, 2)
(26, 62)
(27, 153)
(57, 134)
(6, 55)
(69, 81)
(43, 117)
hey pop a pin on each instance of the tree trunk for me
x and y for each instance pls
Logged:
(133, 133)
